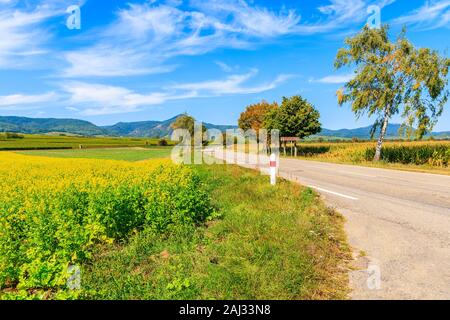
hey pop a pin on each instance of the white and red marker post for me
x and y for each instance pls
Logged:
(273, 169)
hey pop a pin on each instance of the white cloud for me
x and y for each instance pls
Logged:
(334, 79)
(225, 67)
(103, 61)
(233, 84)
(99, 99)
(250, 20)
(144, 37)
(15, 100)
(22, 34)
(432, 15)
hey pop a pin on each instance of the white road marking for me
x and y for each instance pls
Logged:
(335, 193)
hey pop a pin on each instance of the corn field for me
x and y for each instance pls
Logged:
(431, 153)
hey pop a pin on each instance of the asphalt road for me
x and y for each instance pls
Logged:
(400, 220)
(397, 222)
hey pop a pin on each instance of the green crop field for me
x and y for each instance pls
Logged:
(128, 154)
(426, 156)
(32, 142)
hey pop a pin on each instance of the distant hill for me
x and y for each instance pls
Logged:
(392, 132)
(41, 125)
(140, 129)
(158, 128)
(152, 128)
(85, 128)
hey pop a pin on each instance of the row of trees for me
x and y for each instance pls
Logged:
(295, 117)
(390, 78)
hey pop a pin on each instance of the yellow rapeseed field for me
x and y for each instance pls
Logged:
(54, 211)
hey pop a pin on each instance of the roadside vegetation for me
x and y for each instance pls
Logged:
(427, 156)
(266, 243)
(153, 230)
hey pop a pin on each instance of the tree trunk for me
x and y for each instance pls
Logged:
(382, 134)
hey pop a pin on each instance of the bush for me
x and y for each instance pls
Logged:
(12, 135)
(163, 143)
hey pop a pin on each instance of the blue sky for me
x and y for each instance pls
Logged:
(150, 60)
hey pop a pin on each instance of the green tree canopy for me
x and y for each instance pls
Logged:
(187, 122)
(393, 78)
(296, 117)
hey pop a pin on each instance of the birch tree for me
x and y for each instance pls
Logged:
(393, 78)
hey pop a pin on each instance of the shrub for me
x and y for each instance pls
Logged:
(163, 143)
(13, 135)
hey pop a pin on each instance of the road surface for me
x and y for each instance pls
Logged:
(398, 224)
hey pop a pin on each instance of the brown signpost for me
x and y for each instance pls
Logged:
(293, 141)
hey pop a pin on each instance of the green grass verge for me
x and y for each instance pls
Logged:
(269, 243)
(127, 154)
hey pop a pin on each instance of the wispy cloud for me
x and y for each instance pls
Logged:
(334, 79)
(432, 15)
(145, 37)
(18, 101)
(99, 99)
(226, 67)
(234, 84)
(22, 34)
(339, 15)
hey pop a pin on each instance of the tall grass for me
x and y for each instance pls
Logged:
(270, 243)
(435, 155)
(430, 153)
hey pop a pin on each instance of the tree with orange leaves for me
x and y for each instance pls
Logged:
(254, 115)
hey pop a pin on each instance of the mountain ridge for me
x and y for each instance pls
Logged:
(153, 128)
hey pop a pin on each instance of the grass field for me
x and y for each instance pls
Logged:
(424, 156)
(258, 242)
(128, 154)
(32, 142)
